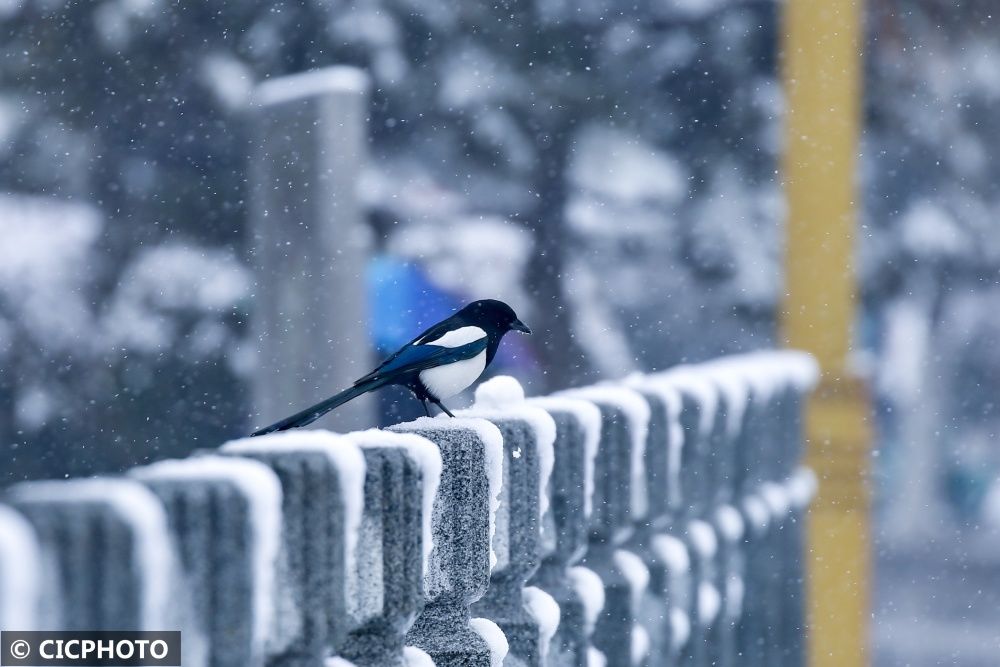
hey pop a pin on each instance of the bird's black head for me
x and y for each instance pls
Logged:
(493, 315)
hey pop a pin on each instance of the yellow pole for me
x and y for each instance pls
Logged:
(822, 76)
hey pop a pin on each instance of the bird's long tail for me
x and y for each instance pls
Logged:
(311, 414)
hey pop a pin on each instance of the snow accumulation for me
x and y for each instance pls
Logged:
(703, 538)
(680, 627)
(20, 576)
(428, 457)
(730, 523)
(756, 511)
(414, 657)
(595, 658)
(776, 499)
(262, 490)
(545, 610)
(503, 396)
(635, 572)
(709, 603)
(672, 552)
(801, 487)
(336, 79)
(636, 411)
(338, 662)
(640, 644)
(145, 516)
(727, 376)
(492, 440)
(590, 589)
(589, 417)
(694, 382)
(671, 398)
(346, 458)
(494, 638)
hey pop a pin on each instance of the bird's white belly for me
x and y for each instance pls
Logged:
(450, 379)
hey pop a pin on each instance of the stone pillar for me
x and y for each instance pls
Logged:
(462, 527)
(225, 515)
(310, 244)
(619, 501)
(401, 481)
(527, 618)
(578, 591)
(106, 543)
(21, 579)
(322, 479)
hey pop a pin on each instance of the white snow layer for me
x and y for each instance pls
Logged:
(20, 576)
(671, 398)
(636, 411)
(590, 589)
(494, 638)
(346, 458)
(672, 552)
(503, 396)
(595, 658)
(801, 487)
(694, 382)
(545, 610)
(260, 487)
(428, 458)
(709, 603)
(680, 626)
(138, 507)
(336, 79)
(589, 417)
(338, 662)
(727, 376)
(635, 572)
(415, 657)
(640, 644)
(703, 538)
(756, 511)
(492, 441)
(776, 499)
(730, 523)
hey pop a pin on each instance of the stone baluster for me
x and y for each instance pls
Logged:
(528, 617)
(106, 543)
(322, 478)
(620, 500)
(578, 591)
(463, 523)
(402, 473)
(225, 515)
(22, 584)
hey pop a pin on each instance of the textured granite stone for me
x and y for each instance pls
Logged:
(578, 425)
(225, 516)
(459, 568)
(613, 519)
(322, 480)
(388, 592)
(518, 540)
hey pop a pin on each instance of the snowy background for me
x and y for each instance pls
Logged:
(621, 162)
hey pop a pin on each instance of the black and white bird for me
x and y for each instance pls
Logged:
(439, 363)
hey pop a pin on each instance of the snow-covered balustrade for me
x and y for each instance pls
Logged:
(656, 521)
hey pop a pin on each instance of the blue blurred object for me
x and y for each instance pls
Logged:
(402, 302)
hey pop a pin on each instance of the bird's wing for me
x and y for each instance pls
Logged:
(432, 333)
(416, 358)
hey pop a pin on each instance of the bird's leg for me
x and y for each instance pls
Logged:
(441, 405)
(427, 410)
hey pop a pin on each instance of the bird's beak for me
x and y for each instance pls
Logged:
(518, 325)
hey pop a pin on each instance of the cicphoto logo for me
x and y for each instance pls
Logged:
(93, 649)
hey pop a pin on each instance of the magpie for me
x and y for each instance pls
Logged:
(437, 364)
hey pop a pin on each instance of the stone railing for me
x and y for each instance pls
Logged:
(654, 521)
